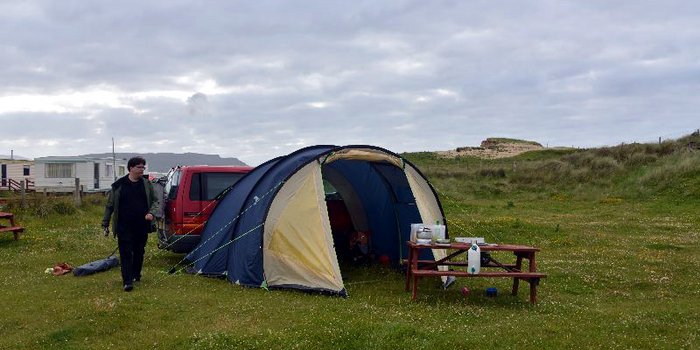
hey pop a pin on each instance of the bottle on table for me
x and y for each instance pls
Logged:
(474, 259)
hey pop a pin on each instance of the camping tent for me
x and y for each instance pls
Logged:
(272, 227)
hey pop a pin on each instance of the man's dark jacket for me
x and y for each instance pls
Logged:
(113, 201)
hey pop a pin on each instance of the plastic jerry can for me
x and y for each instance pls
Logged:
(474, 259)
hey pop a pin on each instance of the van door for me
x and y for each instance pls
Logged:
(204, 189)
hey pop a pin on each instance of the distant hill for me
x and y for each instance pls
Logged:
(162, 162)
(494, 147)
(14, 156)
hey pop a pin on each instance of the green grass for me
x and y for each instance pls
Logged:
(622, 254)
(507, 140)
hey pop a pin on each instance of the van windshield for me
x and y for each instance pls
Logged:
(207, 186)
(172, 183)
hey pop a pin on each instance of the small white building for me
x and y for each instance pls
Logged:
(13, 170)
(58, 174)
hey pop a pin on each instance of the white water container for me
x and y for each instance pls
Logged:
(438, 232)
(474, 259)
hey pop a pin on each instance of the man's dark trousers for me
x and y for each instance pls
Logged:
(131, 252)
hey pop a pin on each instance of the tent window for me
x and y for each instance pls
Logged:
(328, 188)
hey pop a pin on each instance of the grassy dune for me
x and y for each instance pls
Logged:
(618, 227)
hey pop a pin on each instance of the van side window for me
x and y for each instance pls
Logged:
(206, 186)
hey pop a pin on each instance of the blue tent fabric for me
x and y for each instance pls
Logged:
(232, 240)
(221, 224)
(244, 263)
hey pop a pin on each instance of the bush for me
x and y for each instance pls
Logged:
(95, 199)
(64, 207)
(497, 173)
(41, 207)
(604, 166)
(578, 160)
(640, 159)
(672, 170)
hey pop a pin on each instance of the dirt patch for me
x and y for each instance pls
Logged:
(492, 148)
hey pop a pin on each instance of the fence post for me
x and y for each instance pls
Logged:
(22, 200)
(76, 192)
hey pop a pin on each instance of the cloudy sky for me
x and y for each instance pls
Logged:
(258, 79)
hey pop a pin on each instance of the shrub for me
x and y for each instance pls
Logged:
(578, 160)
(687, 164)
(95, 199)
(41, 208)
(64, 207)
(604, 166)
(640, 159)
(488, 172)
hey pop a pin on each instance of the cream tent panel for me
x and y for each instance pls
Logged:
(427, 204)
(370, 155)
(300, 252)
(425, 199)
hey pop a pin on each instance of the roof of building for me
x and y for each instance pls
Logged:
(73, 159)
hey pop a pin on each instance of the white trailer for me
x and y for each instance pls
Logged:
(58, 174)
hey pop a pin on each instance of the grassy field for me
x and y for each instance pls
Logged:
(619, 230)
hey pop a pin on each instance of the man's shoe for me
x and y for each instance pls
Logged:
(137, 279)
(128, 287)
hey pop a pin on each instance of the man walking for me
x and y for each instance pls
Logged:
(133, 203)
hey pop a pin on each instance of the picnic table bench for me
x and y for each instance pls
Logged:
(16, 230)
(420, 268)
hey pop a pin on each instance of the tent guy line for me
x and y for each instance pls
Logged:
(221, 229)
(193, 229)
(173, 271)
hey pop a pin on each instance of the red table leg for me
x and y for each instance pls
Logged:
(533, 281)
(409, 266)
(414, 266)
(415, 287)
(516, 281)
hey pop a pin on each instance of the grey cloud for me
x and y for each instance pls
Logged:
(408, 75)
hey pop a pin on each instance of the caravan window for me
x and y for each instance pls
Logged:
(206, 186)
(59, 170)
(108, 170)
(25, 172)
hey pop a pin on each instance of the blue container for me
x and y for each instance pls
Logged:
(491, 292)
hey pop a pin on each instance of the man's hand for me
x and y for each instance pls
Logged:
(149, 217)
(106, 231)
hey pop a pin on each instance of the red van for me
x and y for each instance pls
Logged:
(189, 197)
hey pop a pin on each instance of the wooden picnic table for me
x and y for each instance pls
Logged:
(419, 268)
(16, 230)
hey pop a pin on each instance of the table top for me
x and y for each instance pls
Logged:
(484, 247)
(6, 215)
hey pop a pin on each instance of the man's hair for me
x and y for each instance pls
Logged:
(134, 162)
